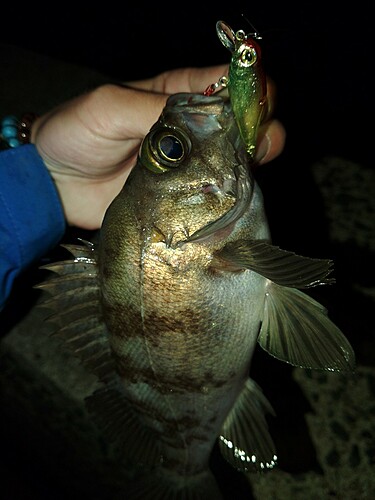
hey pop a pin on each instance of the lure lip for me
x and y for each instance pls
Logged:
(226, 35)
(232, 40)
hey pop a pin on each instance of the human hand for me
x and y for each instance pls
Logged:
(90, 143)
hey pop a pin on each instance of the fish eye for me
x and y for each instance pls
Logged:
(171, 148)
(248, 56)
(164, 149)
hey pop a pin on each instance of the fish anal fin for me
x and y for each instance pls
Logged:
(162, 484)
(280, 266)
(120, 425)
(296, 329)
(244, 440)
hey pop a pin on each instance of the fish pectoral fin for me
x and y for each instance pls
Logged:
(245, 441)
(280, 266)
(296, 329)
(119, 424)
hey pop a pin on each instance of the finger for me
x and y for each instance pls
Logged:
(272, 141)
(142, 110)
(146, 108)
(193, 79)
(115, 113)
(182, 80)
(271, 100)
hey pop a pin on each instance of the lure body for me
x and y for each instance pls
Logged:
(246, 82)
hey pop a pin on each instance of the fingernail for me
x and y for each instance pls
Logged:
(263, 148)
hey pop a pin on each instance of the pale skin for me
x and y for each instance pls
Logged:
(90, 144)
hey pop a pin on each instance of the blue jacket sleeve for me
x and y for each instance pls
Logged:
(31, 215)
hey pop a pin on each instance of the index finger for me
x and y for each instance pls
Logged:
(192, 79)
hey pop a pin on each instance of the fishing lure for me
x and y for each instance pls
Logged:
(246, 82)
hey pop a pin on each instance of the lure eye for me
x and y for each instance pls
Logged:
(164, 149)
(247, 56)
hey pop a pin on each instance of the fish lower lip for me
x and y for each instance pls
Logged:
(211, 188)
(244, 193)
(227, 189)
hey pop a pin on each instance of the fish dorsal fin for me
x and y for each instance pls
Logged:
(296, 329)
(73, 297)
(245, 441)
(280, 266)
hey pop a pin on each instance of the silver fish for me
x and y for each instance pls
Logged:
(168, 307)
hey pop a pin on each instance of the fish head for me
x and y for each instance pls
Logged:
(191, 179)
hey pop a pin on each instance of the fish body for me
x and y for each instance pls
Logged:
(168, 307)
(181, 333)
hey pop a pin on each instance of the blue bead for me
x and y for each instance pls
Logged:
(9, 131)
(14, 142)
(9, 120)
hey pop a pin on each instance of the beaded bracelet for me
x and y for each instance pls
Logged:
(15, 132)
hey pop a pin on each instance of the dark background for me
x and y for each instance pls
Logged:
(320, 54)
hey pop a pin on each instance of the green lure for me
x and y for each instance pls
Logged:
(246, 82)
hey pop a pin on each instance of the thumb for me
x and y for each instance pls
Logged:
(135, 110)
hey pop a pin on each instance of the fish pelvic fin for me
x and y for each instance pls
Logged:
(162, 484)
(295, 328)
(245, 441)
(72, 296)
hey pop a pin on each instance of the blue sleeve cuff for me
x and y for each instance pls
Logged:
(31, 216)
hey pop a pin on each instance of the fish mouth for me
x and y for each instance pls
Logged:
(224, 225)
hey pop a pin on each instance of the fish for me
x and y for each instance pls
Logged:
(167, 307)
